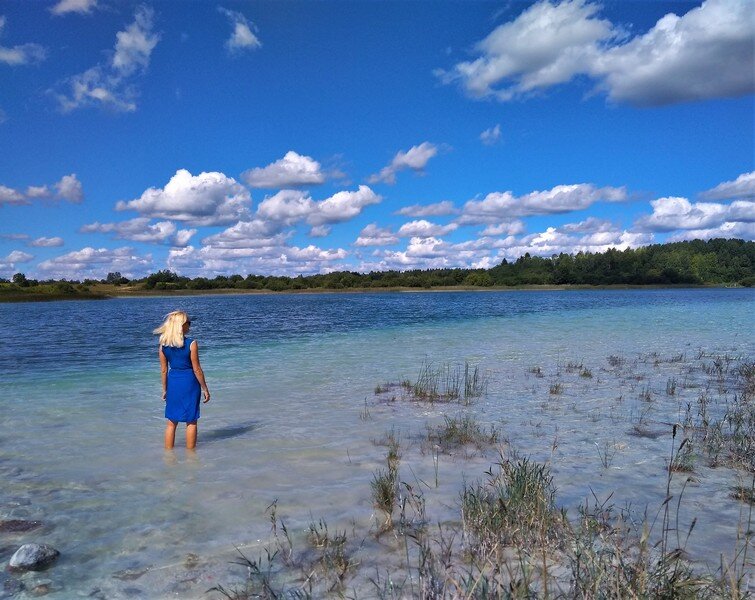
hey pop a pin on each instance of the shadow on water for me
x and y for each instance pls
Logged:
(224, 433)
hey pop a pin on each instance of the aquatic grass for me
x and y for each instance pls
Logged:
(449, 383)
(556, 389)
(463, 430)
(536, 371)
(585, 373)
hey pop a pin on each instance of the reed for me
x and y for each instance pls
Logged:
(463, 430)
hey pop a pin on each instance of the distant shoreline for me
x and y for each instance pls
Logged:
(112, 293)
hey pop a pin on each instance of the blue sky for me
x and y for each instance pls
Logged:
(304, 137)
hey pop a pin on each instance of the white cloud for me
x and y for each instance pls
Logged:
(679, 213)
(286, 207)
(343, 206)
(438, 209)
(545, 45)
(205, 199)
(745, 231)
(9, 264)
(491, 136)
(11, 196)
(290, 171)
(416, 158)
(552, 241)
(38, 191)
(742, 187)
(110, 86)
(276, 259)
(69, 188)
(92, 263)
(256, 233)
(589, 225)
(425, 229)
(319, 231)
(242, 37)
(560, 199)
(73, 6)
(46, 242)
(705, 53)
(141, 230)
(134, 45)
(23, 54)
(372, 235)
(506, 228)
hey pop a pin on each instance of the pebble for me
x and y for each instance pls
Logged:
(33, 557)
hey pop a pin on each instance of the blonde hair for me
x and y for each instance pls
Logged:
(171, 332)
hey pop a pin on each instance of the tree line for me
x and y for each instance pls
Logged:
(697, 262)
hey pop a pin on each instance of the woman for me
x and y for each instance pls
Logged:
(184, 380)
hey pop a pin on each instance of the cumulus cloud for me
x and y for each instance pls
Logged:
(552, 241)
(292, 170)
(141, 230)
(242, 37)
(438, 209)
(73, 6)
(560, 199)
(372, 235)
(46, 242)
(96, 263)
(11, 196)
(68, 188)
(491, 136)
(205, 199)
(257, 233)
(673, 213)
(9, 263)
(286, 207)
(506, 228)
(319, 231)
(23, 54)
(110, 85)
(291, 206)
(425, 229)
(705, 53)
(343, 206)
(416, 158)
(742, 187)
(274, 259)
(745, 231)
(589, 225)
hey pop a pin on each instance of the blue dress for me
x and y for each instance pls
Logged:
(182, 401)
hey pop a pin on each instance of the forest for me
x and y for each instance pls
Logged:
(717, 262)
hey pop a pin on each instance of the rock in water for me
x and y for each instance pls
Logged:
(33, 557)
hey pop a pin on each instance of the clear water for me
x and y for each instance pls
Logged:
(291, 375)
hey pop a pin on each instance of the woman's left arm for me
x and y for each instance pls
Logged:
(198, 372)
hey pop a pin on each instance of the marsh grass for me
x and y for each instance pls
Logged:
(463, 430)
(449, 383)
(556, 389)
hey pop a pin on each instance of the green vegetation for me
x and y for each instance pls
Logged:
(712, 262)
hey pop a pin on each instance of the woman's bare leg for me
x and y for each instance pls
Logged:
(191, 435)
(170, 434)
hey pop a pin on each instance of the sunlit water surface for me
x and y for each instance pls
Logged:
(294, 417)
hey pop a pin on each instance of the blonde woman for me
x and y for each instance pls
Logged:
(182, 377)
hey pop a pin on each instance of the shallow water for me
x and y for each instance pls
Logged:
(293, 378)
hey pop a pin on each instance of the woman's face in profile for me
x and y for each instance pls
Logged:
(186, 325)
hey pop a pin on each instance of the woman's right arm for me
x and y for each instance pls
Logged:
(163, 370)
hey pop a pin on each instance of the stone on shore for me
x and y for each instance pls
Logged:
(33, 557)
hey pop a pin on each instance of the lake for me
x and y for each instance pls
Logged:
(294, 417)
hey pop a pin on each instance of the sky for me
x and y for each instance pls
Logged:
(280, 137)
